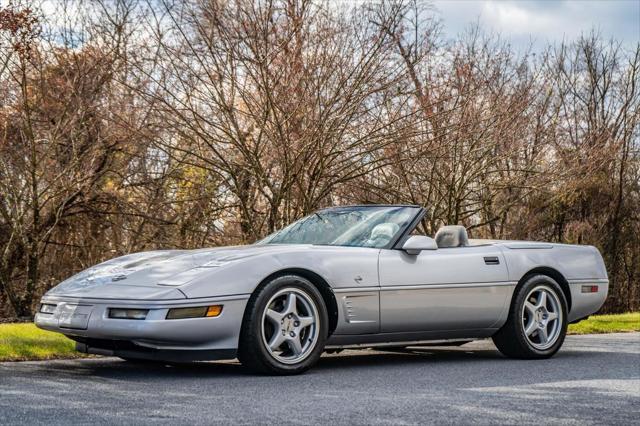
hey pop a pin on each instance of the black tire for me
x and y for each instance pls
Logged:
(252, 350)
(512, 340)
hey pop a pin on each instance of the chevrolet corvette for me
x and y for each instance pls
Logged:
(342, 277)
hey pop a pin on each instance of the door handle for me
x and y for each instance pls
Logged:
(491, 260)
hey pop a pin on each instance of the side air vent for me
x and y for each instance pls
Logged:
(359, 312)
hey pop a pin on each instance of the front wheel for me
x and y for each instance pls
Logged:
(285, 327)
(537, 322)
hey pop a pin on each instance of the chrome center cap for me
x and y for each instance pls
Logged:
(540, 316)
(288, 325)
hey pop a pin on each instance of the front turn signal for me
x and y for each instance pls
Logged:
(195, 312)
(214, 311)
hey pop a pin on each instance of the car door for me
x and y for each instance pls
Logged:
(444, 289)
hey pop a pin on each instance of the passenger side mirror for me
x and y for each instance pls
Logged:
(415, 244)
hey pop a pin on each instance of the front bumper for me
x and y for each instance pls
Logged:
(87, 322)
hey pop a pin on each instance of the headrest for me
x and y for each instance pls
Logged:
(384, 230)
(452, 236)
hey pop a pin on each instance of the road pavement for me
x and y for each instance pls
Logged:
(594, 379)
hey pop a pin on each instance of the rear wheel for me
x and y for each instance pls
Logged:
(285, 327)
(537, 322)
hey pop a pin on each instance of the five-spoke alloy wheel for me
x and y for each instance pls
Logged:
(289, 329)
(542, 317)
(537, 321)
(284, 328)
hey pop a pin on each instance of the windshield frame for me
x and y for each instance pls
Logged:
(392, 244)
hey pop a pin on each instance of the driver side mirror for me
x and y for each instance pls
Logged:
(415, 244)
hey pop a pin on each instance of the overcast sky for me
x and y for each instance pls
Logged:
(523, 22)
(544, 21)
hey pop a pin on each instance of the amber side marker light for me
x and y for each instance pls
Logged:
(214, 311)
(197, 312)
(589, 288)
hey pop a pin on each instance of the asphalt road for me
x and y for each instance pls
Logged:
(592, 380)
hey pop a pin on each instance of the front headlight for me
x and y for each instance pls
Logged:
(134, 314)
(197, 312)
(47, 308)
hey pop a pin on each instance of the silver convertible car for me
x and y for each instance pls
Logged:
(343, 277)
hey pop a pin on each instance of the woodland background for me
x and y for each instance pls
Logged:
(129, 125)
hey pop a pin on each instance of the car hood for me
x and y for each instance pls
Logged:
(157, 271)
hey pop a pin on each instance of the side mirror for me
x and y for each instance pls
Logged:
(415, 244)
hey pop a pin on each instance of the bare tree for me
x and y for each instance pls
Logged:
(128, 125)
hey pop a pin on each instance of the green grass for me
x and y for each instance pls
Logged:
(22, 342)
(607, 324)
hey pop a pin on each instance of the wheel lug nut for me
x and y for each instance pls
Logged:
(296, 323)
(292, 334)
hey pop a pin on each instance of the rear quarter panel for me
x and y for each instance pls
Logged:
(580, 265)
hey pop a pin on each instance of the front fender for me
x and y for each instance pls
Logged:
(343, 267)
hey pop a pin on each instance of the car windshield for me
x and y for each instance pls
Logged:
(358, 226)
